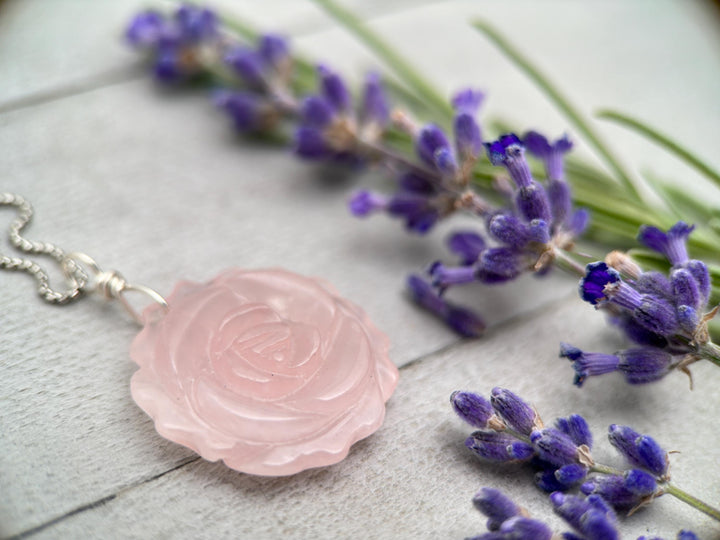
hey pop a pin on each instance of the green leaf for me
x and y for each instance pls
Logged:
(401, 67)
(631, 184)
(664, 141)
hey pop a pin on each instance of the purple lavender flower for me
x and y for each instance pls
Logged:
(468, 135)
(576, 427)
(375, 108)
(554, 447)
(250, 112)
(552, 154)
(517, 413)
(505, 520)
(472, 408)
(622, 491)
(639, 365)
(558, 190)
(591, 517)
(671, 244)
(640, 450)
(496, 506)
(602, 284)
(173, 42)
(461, 320)
(494, 446)
(509, 151)
(145, 29)
(430, 141)
(467, 244)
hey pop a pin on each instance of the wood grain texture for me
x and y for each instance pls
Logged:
(154, 183)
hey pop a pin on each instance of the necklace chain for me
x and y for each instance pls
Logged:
(76, 278)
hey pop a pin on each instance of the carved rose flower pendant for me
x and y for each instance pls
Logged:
(269, 371)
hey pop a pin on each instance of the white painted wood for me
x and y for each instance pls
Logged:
(414, 478)
(154, 184)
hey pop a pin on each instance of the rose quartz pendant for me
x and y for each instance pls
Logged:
(269, 371)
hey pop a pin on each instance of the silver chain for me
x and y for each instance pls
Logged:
(77, 279)
(110, 284)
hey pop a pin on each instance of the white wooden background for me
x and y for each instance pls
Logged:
(154, 183)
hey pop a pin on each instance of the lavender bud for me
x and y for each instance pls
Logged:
(496, 506)
(499, 264)
(316, 112)
(445, 162)
(700, 272)
(363, 203)
(375, 108)
(578, 221)
(520, 451)
(657, 315)
(591, 516)
(538, 231)
(274, 50)
(464, 321)
(554, 446)
(654, 283)
(687, 535)
(571, 474)
(533, 203)
(640, 450)
(196, 24)
(310, 144)
(445, 276)
(519, 415)
(548, 482)
(671, 244)
(468, 101)
(688, 319)
(639, 482)
(144, 29)
(466, 244)
(576, 427)
(612, 488)
(334, 89)
(468, 138)
(597, 276)
(491, 445)
(472, 408)
(526, 529)
(430, 139)
(417, 184)
(596, 526)
(587, 364)
(423, 294)
(644, 365)
(508, 229)
(686, 291)
(247, 63)
(560, 198)
(509, 151)
(640, 334)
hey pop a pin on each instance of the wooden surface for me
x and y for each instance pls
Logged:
(154, 183)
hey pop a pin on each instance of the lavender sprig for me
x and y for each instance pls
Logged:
(666, 316)
(509, 430)
(590, 517)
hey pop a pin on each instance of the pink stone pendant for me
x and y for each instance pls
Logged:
(269, 371)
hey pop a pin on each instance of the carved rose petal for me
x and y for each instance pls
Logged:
(269, 371)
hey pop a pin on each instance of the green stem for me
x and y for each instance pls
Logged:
(696, 503)
(663, 141)
(402, 67)
(566, 263)
(561, 103)
(604, 469)
(710, 351)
